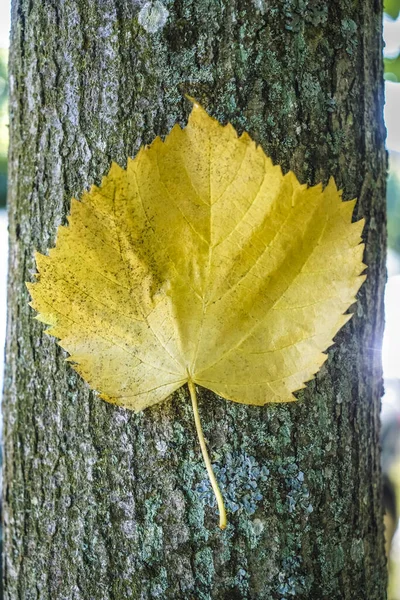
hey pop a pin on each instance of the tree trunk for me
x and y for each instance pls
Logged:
(103, 504)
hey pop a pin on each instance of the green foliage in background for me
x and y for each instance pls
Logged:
(393, 201)
(3, 125)
(392, 65)
(392, 68)
(392, 8)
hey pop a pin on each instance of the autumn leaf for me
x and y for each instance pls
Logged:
(200, 263)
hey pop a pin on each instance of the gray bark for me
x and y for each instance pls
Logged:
(102, 504)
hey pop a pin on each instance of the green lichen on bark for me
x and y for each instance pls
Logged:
(102, 504)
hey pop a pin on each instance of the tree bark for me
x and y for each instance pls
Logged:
(103, 504)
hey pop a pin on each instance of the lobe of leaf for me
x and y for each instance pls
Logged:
(202, 263)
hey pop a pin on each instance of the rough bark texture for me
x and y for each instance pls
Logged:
(102, 504)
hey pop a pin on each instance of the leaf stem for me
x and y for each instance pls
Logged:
(217, 491)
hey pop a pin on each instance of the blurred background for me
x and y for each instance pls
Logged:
(390, 435)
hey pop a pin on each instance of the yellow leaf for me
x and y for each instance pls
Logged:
(200, 263)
